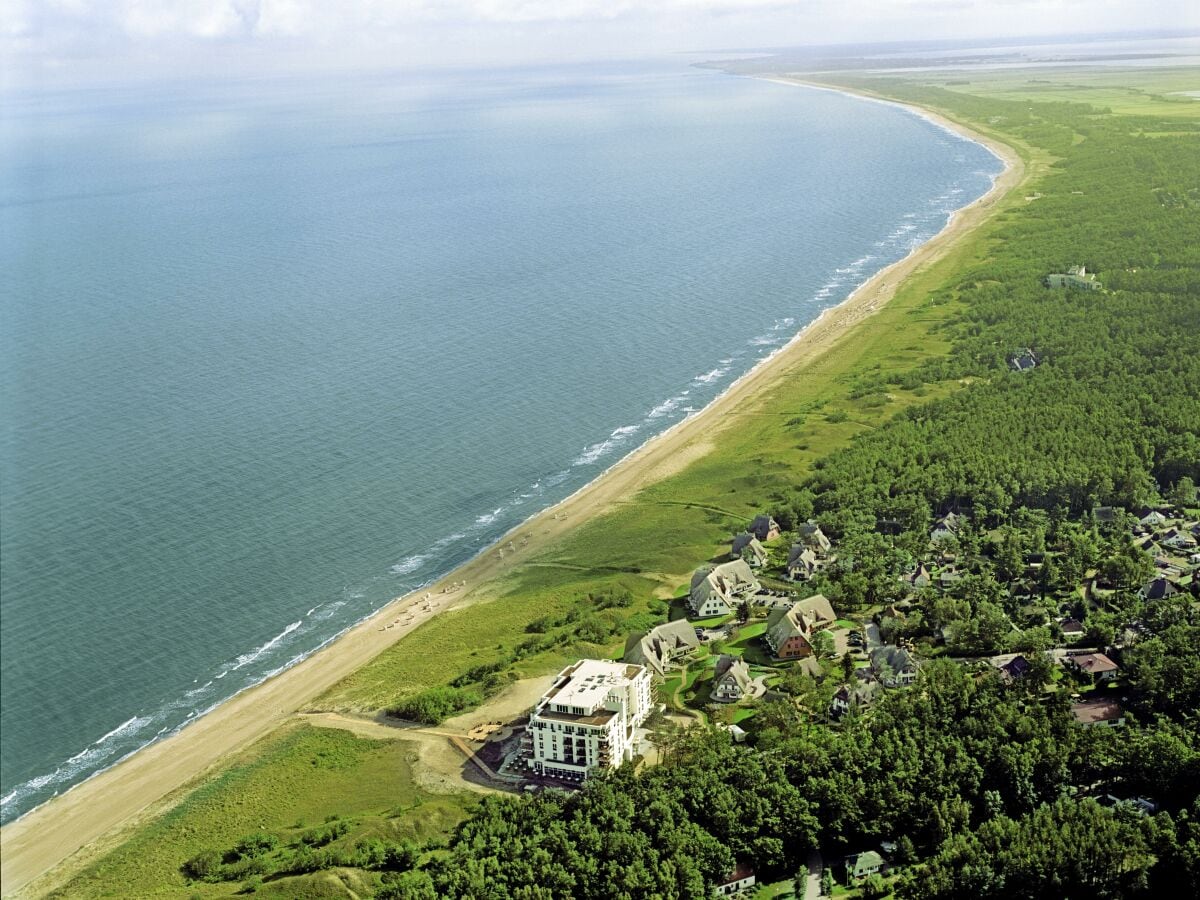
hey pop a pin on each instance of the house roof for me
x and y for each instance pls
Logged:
(725, 581)
(918, 577)
(818, 609)
(732, 667)
(895, 658)
(1071, 626)
(864, 862)
(811, 533)
(656, 647)
(1159, 589)
(1095, 663)
(740, 872)
(744, 540)
(763, 525)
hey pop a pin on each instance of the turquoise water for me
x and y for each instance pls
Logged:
(275, 352)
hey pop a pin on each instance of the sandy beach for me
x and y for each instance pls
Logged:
(43, 848)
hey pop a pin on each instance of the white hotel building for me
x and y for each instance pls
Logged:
(587, 718)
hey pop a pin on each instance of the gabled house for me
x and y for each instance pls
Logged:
(1072, 629)
(1077, 277)
(717, 590)
(1023, 360)
(811, 535)
(893, 666)
(1177, 539)
(739, 880)
(746, 546)
(731, 680)
(1159, 589)
(854, 697)
(1012, 667)
(946, 528)
(1097, 665)
(1150, 518)
(764, 528)
(661, 648)
(1104, 711)
(918, 578)
(863, 865)
(789, 631)
(803, 563)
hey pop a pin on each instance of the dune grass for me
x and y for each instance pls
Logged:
(292, 780)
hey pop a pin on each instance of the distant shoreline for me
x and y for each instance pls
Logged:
(66, 832)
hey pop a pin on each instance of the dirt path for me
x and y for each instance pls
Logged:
(46, 846)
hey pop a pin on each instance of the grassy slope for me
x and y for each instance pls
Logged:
(290, 781)
(649, 545)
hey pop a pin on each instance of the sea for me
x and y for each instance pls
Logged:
(274, 351)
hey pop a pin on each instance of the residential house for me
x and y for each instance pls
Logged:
(918, 578)
(893, 666)
(1077, 277)
(660, 648)
(1011, 666)
(789, 631)
(1023, 360)
(764, 528)
(1104, 711)
(863, 865)
(1097, 665)
(803, 562)
(587, 720)
(855, 697)
(718, 590)
(1150, 518)
(1177, 539)
(739, 880)
(1159, 589)
(946, 528)
(746, 546)
(1072, 629)
(731, 679)
(811, 535)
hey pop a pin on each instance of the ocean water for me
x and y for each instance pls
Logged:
(273, 352)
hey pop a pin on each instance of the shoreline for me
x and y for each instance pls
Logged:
(50, 842)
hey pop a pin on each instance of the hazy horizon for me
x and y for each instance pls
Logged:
(82, 42)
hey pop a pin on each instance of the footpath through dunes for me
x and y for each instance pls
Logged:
(45, 847)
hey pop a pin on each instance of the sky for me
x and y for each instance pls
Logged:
(53, 41)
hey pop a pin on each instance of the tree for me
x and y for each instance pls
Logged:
(873, 887)
(743, 612)
(847, 666)
(1183, 494)
(827, 882)
(823, 645)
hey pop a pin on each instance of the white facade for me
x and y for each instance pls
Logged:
(588, 717)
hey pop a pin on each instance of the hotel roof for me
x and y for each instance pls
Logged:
(590, 681)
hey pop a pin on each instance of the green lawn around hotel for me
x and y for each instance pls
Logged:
(293, 780)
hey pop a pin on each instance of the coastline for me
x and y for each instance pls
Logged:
(50, 842)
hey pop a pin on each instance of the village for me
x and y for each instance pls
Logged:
(753, 630)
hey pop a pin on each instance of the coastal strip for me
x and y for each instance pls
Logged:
(45, 846)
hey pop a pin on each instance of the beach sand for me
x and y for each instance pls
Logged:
(39, 851)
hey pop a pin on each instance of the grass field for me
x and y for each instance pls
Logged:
(293, 780)
(1131, 92)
